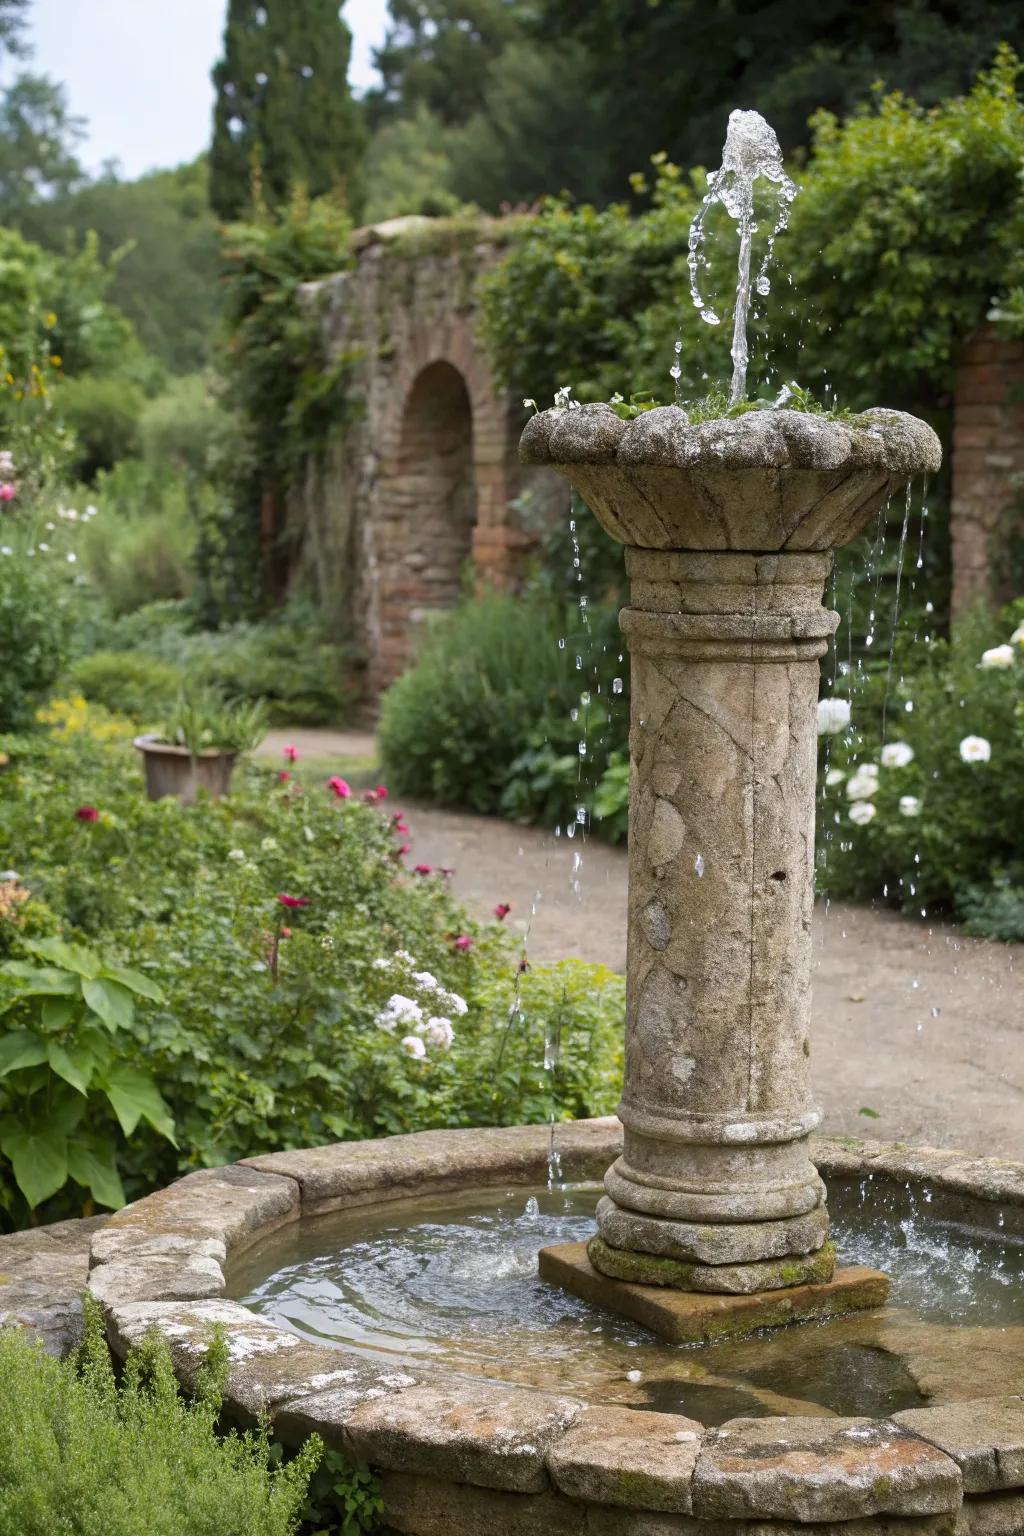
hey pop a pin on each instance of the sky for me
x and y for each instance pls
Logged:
(138, 71)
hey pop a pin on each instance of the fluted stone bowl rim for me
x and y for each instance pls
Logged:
(879, 440)
(160, 1263)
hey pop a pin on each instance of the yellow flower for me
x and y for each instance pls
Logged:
(55, 360)
(51, 321)
(8, 378)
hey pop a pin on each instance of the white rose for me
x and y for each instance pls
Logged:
(833, 716)
(897, 754)
(834, 776)
(910, 805)
(437, 1031)
(862, 813)
(975, 749)
(412, 1045)
(998, 658)
(863, 784)
(1017, 638)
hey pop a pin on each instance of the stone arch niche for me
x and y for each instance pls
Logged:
(424, 515)
(422, 479)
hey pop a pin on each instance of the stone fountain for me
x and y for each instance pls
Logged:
(421, 1352)
(730, 527)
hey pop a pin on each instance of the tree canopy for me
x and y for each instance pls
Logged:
(284, 116)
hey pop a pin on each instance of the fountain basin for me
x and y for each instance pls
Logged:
(460, 1451)
(760, 482)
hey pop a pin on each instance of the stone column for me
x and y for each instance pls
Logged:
(729, 527)
(717, 1100)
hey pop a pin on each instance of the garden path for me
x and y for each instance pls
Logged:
(912, 1020)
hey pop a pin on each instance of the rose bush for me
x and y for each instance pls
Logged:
(932, 819)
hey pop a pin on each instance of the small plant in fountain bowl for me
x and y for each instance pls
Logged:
(199, 745)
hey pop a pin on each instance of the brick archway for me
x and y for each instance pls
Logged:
(425, 512)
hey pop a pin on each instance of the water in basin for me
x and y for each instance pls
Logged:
(451, 1282)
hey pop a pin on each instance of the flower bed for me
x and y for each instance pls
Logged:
(304, 985)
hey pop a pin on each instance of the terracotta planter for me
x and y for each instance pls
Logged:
(176, 771)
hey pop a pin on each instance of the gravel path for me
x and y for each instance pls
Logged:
(912, 1020)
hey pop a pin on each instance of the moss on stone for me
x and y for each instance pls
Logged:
(736, 1279)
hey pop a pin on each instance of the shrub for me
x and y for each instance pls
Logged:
(34, 627)
(83, 1453)
(138, 547)
(289, 661)
(511, 706)
(128, 682)
(180, 427)
(939, 831)
(103, 415)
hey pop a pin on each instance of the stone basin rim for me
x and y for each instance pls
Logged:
(888, 441)
(159, 1263)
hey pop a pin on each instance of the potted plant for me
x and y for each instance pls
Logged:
(199, 746)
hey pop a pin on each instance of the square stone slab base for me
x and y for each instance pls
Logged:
(698, 1317)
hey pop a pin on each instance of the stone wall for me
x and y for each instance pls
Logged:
(987, 511)
(422, 482)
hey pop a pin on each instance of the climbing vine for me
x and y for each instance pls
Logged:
(284, 392)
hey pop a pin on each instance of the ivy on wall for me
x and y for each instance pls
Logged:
(284, 392)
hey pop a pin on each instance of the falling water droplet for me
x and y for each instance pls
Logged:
(616, 685)
(698, 865)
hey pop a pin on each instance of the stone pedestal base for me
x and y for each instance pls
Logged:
(725, 1242)
(695, 1317)
(721, 1279)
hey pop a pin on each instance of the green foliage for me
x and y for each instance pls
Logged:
(160, 240)
(38, 143)
(103, 415)
(408, 169)
(493, 714)
(907, 223)
(285, 393)
(438, 56)
(128, 682)
(139, 547)
(35, 611)
(70, 1073)
(116, 1458)
(203, 721)
(498, 158)
(665, 75)
(283, 113)
(269, 1033)
(344, 1498)
(180, 428)
(959, 849)
(287, 660)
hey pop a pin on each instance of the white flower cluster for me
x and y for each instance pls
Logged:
(864, 781)
(427, 1019)
(1000, 657)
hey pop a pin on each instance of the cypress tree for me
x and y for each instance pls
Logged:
(283, 113)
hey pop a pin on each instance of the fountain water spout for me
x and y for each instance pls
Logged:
(751, 151)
